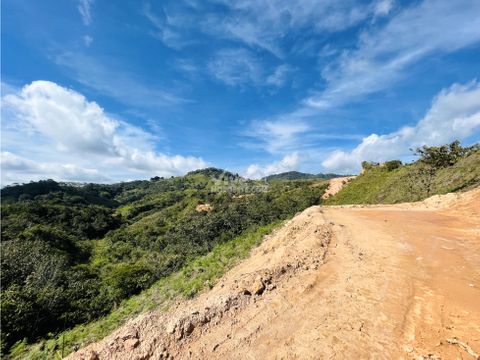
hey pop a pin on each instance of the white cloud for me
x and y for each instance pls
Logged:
(110, 80)
(87, 39)
(46, 126)
(279, 76)
(383, 55)
(454, 114)
(166, 28)
(19, 169)
(257, 24)
(186, 66)
(45, 107)
(84, 7)
(240, 67)
(383, 7)
(236, 67)
(287, 163)
(276, 136)
(264, 24)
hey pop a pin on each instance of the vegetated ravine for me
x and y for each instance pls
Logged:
(71, 253)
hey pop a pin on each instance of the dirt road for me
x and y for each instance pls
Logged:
(381, 282)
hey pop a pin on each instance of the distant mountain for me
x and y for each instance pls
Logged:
(214, 173)
(296, 175)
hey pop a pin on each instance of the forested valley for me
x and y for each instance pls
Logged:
(71, 253)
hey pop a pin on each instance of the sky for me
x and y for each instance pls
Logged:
(108, 91)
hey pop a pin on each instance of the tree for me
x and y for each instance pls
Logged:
(393, 164)
(368, 165)
(443, 156)
(434, 158)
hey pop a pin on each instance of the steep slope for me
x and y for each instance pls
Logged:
(396, 281)
(72, 254)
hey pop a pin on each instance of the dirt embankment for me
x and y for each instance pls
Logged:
(335, 185)
(382, 282)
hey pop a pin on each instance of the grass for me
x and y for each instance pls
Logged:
(124, 210)
(197, 275)
(407, 183)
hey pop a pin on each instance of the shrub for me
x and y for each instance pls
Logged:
(443, 156)
(393, 164)
(368, 165)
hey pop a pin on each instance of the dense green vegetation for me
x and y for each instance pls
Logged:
(439, 170)
(77, 260)
(197, 274)
(296, 175)
(74, 253)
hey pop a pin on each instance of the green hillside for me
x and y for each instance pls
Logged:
(412, 182)
(75, 253)
(78, 260)
(296, 175)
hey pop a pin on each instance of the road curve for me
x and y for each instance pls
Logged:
(356, 282)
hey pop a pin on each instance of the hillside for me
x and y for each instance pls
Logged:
(412, 182)
(403, 287)
(296, 175)
(72, 254)
(80, 260)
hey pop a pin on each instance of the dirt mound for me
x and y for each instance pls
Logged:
(204, 208)
(454, 201)
(398, 281)
(335, 185)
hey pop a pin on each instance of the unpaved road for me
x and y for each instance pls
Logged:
(380, 282)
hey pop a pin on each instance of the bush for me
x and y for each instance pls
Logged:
(444, 156)
(393, 164)
(366, 165)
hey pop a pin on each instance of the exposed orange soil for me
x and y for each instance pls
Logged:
(203, 208)
(335, 185)
(377, 282)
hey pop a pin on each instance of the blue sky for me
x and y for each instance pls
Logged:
(96, 90)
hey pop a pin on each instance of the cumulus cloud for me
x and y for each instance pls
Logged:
(18, 169)
(287, 163)
(45, 122)
(454, 114)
